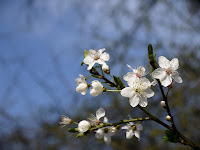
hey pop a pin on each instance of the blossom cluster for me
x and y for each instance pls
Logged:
(139, 89)
(102, 129)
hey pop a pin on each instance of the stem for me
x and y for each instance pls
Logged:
(113, 90)
(120, 122)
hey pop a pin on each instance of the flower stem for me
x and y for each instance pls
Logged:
(113, 90)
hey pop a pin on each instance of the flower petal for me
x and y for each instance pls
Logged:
(137, 134)
(126, 127)
(91, 65)
(134, 100)
(107, 138)
(88, 60)
(176, 77)
(81, 87)
(130, 67)
(159, 73)
(105, 56)
(129, 134)
(100, 113)
(145, 82)
(101, 51)
(100, 61)
(143, 101)
(129, 76)
(174, 63)
(99, 133)
(84, 92)
(149, 93)
(93, 92)
(167, 80)
(105, 120)
(127, 92)
(97, 85)
(163, 62)
(139, 127)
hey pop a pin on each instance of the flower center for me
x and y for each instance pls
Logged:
(96, 57)
(169, 71)
(137, 75)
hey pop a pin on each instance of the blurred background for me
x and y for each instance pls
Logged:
(41, 49)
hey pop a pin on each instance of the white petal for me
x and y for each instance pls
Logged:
(93, 92)
(105, 120)
(99, 133)
(105, 56)
(129, 134)
(139, 127)
(101, 51)
(158, 73)
(88, 60)
(129, 76)
(163, 62)
(126, 127)
(144, 81)
(97, 85)
(137, 134)
(84, 92)
(107, 138)
(127, 92)
(81, 87)
(174, 63)
(100, 113)
(129, 67)
(149, 93)
(143, 101)
(91, 65)
(100, 61)
(154, 82)
(134, 100)
(176, 77)
(167, 80)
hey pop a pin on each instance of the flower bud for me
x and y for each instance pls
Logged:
(162, 103)
(105, 68)
(118, 127)
(168, 118)
(83, 126)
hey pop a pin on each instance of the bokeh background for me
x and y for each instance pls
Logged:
(41, 49)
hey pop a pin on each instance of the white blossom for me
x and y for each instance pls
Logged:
(167, 72)
(95, 120)
(82, 85)
(65, 120)
(105, 132)
(138, 92)
(132, 130)
(97, 88)
(137, 73)
(105, 68)
(83, 126)
(96, 56)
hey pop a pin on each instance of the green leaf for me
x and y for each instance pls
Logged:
(73, 129)
(171, 137)
(82, 63)
(85, 53)
(119, 83)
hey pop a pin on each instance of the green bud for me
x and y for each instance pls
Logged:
(73, 129)
(81, 134)
(85, 53)
(150, 50)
